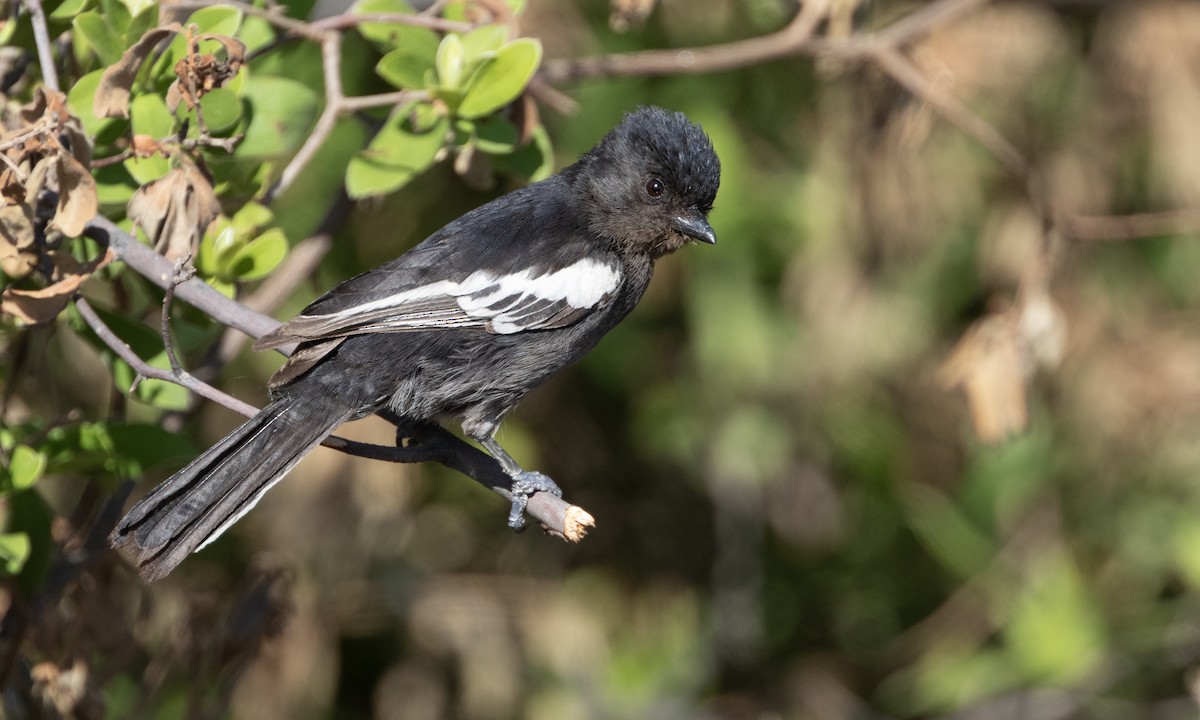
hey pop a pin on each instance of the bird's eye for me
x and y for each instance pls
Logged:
(655, 187)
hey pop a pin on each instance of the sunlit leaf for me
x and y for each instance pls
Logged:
(258, 257)
(484, 40)
(14, 551)
(394, 157)
(450, 62)
(501, 79)
(26, 467)
(282, 112)
(405, 68)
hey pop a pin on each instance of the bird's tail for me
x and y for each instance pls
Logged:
(195, 505)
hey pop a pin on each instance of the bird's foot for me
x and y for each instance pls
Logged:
(524, 484)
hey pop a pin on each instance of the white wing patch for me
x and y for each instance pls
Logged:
(504, 304)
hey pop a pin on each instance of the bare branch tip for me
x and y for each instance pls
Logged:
(576, 523)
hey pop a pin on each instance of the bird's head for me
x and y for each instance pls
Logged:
(650, 183)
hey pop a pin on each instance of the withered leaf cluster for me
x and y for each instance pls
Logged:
(195, 74)
(174, 210)
(46, 193)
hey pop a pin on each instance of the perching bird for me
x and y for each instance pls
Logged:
(463, 325)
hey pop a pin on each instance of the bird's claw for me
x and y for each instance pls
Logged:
(524, 485)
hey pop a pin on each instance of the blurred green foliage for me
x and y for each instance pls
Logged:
(795, 517)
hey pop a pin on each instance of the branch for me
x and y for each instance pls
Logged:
(795, 39)
(433, 443)
(1130, 227)
(41, 38)
(336, 105)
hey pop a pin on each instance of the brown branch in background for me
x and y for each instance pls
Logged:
(794, 39)
(900, 69)
(1131, 227)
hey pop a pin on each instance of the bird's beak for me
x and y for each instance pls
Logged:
(695, 226)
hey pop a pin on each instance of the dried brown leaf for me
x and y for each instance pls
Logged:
(16, 226)
(34, 307)
(144, 145)
(990, 364)
(112, 95)
(174, 96)
(16, 240)
(45, 103)
(77, 142)
(174, 210)
(235, 50)
(38, 179)
(77, 202)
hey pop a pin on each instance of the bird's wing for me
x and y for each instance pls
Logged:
(500, 302)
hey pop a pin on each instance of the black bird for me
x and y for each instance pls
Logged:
(463, 324)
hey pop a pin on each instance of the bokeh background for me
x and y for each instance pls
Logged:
(920, 437)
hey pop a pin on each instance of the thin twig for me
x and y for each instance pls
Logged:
(41, 37)
(181, 273)
(336, 105)
(148, 371)
(342, 22)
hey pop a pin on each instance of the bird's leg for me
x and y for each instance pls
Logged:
(524, 482)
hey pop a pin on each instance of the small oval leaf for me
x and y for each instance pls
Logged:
(405, 68)
(502, 79)
(450, 60)
(26, 467)
(258, 257)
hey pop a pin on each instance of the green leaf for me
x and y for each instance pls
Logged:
(148, 115)
(222, 110)
(137, 7)
(501, 80)
(26, 467)
(1055, 631)
(281, 113)
(258, 257)
(256, 33)
(533, 161)
(218, 242)
(405, 68)
(300, 208)
(69, 9)
(483, 41)
(107, 42)
(217, 20)
(80, 99)
(14, 551)
(496, 136)
(144, 16)
(450, 62)
(252, 217)
(394, 157)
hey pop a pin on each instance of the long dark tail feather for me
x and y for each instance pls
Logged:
(195, 505)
